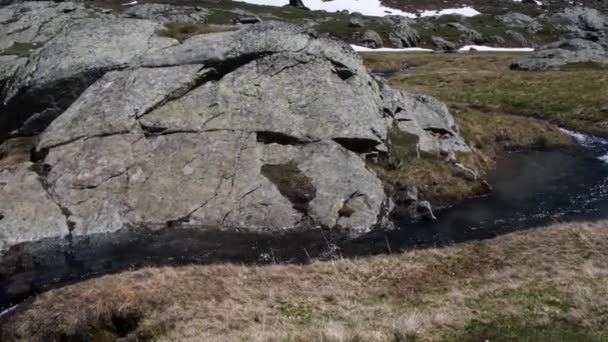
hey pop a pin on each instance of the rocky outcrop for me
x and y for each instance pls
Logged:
(442, 44)
(403, 35)
(265, 129)
(563, 53)
(519, 20)
(371, 39)
(68, 63)
(467, 35)
(167, 13)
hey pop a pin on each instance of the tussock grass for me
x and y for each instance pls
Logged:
(524, 286)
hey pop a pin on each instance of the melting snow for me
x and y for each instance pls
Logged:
(365, 49)
(493, 49)
(365, 7)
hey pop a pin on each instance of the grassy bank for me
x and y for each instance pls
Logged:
(541, 285)
(574, 97)
(493, 106)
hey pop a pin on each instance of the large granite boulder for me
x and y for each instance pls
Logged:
(204, 132)
(562, 53)
(576, 19)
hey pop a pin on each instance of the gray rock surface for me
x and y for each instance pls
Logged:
(442, 44)
(519, 20)
(27, 212)
(467, 35)
(265, 129)
(575, 19)
(37, 22)
(167, 13)
(372, 39)
(67, 64)
(562, 53)
(404, 36)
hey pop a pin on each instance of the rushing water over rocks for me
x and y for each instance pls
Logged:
(531, 188)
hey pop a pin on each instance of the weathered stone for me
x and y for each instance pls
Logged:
(247, 19)
(467, 35)
(58, 72)
(27, 212)
(264, 129)
(403, 35)
(371, 39)
(167, 13)
(442, 44)
(356, 22)
(561, 53)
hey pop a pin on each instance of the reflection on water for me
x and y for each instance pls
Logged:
(531, 188)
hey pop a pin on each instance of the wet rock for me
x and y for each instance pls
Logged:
(562, 53)
(425, 210)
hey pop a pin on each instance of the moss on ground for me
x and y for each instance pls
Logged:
(183, 31)
(509, 330)
(20, 49)
(291, 182)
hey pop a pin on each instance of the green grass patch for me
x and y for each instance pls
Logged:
(574, 97)
(403, 146)
(291, 182)
(299, 312)
(523, 331)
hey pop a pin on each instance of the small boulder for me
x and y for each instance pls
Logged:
(371, 39)
(443, 44)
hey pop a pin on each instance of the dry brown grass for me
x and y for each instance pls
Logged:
(15, 151)
(541, 276)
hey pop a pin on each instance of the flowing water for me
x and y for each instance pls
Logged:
(531, 188)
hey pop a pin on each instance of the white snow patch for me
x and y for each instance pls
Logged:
(130, 3)
(366, 49)
(365, 7)
(493, 49)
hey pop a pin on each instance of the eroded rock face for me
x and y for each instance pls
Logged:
(56, 73)
(266, 129)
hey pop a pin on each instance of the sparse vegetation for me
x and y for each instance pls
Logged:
(183, 31)
(541, 285)
(19, 49)
(573, 97)
(291, 182)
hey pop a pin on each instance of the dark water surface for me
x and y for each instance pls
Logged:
(531, 188)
